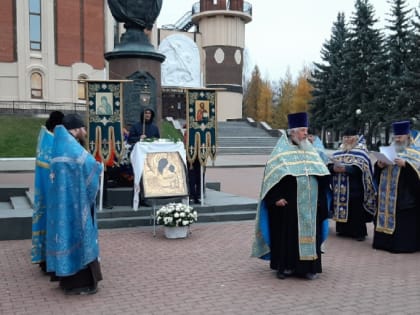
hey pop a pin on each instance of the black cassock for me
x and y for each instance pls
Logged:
(357, 215)
(406, 236)
(283, 224)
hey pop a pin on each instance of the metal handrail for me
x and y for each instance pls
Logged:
(247, 8)
(34, 107)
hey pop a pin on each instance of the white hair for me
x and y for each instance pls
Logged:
(292, 130)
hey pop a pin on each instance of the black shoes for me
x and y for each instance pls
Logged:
(281, 275)
(195, 201)
(81, 291)
(360, 238)
(285, 273)
(311, 276)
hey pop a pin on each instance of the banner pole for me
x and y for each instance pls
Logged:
(202, 185)
(101, 191)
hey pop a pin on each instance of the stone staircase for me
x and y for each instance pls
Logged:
(218, 207)
(234, 137)
(16, 204)
(241, 137)
(16, 208)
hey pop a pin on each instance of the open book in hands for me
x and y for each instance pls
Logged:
(386, 154)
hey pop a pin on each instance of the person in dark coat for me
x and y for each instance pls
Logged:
(140, 131)
(145, 128)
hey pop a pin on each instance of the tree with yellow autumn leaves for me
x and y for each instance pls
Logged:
(293, 96)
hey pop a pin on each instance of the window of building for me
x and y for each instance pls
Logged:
(81, 89)
(35, 24)
(36, 85)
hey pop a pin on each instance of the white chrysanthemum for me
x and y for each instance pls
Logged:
(176, 214)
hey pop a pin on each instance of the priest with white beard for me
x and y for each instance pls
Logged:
(397, 222)
(292, 205)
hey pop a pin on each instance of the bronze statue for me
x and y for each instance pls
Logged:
(137, 14)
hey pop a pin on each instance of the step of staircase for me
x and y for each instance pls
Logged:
(5, 205)
(20, 202)
(239, 137)
(217, 207)
(16, 224)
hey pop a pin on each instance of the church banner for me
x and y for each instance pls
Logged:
(105, 121)
(201, 125)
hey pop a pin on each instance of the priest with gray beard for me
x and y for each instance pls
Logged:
(397, 221)
(292, 205)
(353, 187)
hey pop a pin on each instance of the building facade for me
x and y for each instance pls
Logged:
(48, 47)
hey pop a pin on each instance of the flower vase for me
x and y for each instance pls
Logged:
(175, 231)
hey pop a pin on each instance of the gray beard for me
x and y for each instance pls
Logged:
(304, 145)
(400, 147)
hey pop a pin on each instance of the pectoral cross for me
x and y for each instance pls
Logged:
(306, 171)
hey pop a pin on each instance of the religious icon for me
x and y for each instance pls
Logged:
(164, 175)
(103, 103)
(202, 111)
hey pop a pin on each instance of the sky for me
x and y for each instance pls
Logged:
(286, 34)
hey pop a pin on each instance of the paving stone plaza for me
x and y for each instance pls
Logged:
(211, 272)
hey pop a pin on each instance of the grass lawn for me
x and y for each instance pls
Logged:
(19, 135)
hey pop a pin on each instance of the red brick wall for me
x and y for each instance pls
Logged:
(67, 32)
(93, 35)
(8, 31)
(80, 32)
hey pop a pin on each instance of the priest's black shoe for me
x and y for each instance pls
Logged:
(81, 291)
(311, 276)
(281, 275)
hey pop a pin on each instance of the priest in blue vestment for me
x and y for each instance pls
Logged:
(292, 205)
(354, 190)
(42, 186)
(72, 238)
(397, 221)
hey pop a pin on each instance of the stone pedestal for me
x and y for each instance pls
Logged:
(137, 61)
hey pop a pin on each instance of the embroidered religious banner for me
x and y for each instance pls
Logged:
(201, 125)
(105, 121)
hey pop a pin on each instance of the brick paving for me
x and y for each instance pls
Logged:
(211, 272)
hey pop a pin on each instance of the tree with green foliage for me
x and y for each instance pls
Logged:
(398, 58)
(364, 58)
(411, 76)
(329, 80)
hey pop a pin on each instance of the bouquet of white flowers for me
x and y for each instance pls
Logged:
(176, 214)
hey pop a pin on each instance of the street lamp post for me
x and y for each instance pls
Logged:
(358, 120)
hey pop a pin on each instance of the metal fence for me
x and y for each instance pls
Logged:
(34, 108)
